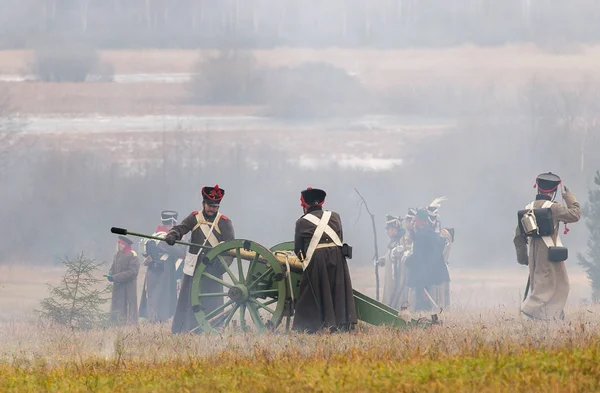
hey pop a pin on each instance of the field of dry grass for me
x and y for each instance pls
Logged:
(111, 99)
(506, 67)
(479, 347)
(484, 352)
(377, 66)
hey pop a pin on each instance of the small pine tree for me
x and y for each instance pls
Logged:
(77, 301)
(591, 260)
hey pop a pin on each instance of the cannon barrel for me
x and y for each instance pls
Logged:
(283, 257)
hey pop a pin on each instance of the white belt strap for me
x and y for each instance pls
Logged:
(327, 229)
(191, 259)
(548, 239)
(208, 231)
(322, 227)
(326, 245)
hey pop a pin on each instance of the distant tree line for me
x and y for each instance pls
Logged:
(310, 23)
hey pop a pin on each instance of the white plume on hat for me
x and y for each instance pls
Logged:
(436, 204)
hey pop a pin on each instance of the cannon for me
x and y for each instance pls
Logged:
(260, 286)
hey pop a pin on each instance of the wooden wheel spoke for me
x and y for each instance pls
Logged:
(218, 319)
(252, 266)
(231, 314)
(219, 294)
(265, 292)
(217, 310)
(270, 302)
(256, 317)
(266, 273)
(240, 266)
(259, 304)
(243, 316)
(228, 270)
(208, 275)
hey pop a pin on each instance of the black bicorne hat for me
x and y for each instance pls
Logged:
(168, 215)
(126, 240)
(547, 182)
(213, 195)
(312, 196)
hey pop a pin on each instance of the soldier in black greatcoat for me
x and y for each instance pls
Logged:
(325, 300)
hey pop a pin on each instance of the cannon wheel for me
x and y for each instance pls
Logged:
(285, 246)
(250, 287)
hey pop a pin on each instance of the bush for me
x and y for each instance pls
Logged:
(313, 90)
(231, 78)
(65, 61)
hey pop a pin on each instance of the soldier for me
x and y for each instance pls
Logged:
(441, 293)
(208, 228)
(403, 296)
(395, 275)
(426, 265)
(123, 274)
(159, 294)
(548, 278)
(325, 298)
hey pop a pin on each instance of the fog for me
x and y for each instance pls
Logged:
(368, 117)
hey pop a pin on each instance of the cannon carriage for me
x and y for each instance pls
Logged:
(259, 288)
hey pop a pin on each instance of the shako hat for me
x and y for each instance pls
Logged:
(312, 196)
(168, 215)
(547, 182)
(392, 221)
(125, 240)
(213, 195)
(412, 212)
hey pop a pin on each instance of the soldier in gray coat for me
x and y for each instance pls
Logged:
(123, 274)
(549, 282)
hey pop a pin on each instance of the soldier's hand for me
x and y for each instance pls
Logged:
(379, 262)
(170, 239)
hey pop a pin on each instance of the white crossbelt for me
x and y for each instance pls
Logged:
(548, 239)
(191, 259)
(322, 227)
